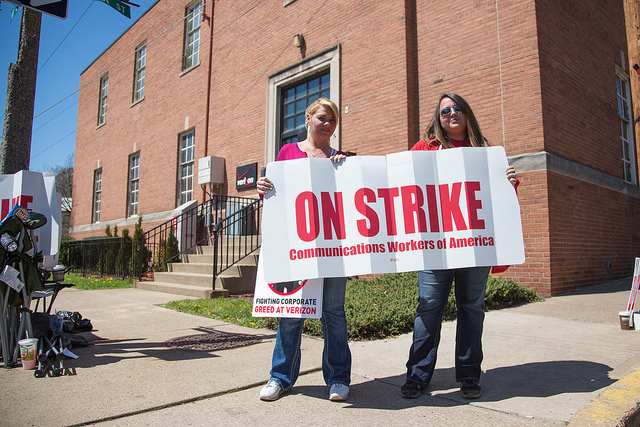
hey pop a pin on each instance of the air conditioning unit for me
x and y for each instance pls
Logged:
(211, 170)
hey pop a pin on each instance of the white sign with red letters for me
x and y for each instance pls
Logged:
(295, 298)
(406, 211)
(35, 192)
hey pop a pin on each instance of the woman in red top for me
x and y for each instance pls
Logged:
(453, 125)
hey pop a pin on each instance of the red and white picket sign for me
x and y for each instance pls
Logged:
(634, 287)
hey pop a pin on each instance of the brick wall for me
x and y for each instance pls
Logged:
(173, 102)
(578, 60)
(524, 67)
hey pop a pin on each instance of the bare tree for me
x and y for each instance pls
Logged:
(64, 182)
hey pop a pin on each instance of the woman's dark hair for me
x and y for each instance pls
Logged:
(435, 130)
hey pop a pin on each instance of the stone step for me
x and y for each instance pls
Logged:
(182, 290)
(232, 247)
(191, 279)
(240, 269)
(236, 285)
(208, 258)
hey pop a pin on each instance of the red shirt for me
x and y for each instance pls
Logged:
(434, 145)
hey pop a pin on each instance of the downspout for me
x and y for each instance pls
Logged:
(209, 19)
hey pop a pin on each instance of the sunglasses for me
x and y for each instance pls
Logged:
(446, 111)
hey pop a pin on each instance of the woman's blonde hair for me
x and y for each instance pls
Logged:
(323, 102)
(435, 130)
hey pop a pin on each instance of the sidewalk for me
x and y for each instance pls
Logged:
(562, 361)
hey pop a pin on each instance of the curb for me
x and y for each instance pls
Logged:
(618, 405)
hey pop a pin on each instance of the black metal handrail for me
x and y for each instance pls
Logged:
(236, 236)
(232, 216)
(231, 224)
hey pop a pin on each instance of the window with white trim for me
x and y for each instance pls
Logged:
(324, 66)
(186, 167)
(626, 128)
(134, 184)
(193, 19)
(139, 72)
(295, 99)
(102, 103)
(97, 194)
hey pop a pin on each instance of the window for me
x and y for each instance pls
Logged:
(192, 36)
(187, 152)
(97, 194)
(626, 128)
(134, 182)
(102, 106)
(295, 99)
(138, 73)
(289, 92)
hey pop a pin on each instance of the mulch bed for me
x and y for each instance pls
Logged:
(212, 341)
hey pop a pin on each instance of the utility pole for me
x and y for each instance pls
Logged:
(15, 149)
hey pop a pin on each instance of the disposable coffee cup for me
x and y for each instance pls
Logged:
(28, 349)
(57, 323)
(625, 319)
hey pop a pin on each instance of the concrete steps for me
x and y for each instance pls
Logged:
(194, 276)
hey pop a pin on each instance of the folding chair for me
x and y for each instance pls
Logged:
(17, 255)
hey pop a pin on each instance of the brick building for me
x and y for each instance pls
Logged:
(547, 80)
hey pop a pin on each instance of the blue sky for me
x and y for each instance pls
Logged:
(67, 48)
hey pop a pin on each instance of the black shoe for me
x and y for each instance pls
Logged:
(470, 389)
(411, 390)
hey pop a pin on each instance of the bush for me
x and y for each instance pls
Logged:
(63, 257)
(376, 308)
(504, 293)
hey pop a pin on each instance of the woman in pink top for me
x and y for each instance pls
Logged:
(453, 125)
(321, 121)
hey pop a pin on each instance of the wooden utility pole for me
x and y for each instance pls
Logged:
(632, 23)
(15, 148)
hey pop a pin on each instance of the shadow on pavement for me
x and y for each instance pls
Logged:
(605, 288)
(103, 351)
(537, 379)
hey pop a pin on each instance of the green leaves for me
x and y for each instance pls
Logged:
(376, 308)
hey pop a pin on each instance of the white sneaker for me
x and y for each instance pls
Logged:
(338, 392)
(271, 391)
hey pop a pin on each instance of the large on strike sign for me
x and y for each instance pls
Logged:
(406, 211)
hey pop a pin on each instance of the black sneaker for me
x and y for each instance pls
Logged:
(470, 389)
(411, 390)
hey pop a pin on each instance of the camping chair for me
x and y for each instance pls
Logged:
(52, 285)
(20, 278)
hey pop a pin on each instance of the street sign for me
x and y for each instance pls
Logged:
(119, 6)
(57, 8)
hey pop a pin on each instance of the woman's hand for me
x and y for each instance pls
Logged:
(511, 175)
(264, 185)
(337, 158)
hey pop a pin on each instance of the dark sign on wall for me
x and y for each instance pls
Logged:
(246, 176)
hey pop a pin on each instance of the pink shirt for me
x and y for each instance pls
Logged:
(292, 151)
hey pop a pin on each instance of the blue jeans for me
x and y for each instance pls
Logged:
(434, 288)
(336, 356)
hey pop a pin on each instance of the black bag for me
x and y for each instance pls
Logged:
(73, 322)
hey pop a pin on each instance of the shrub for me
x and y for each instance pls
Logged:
(386, 306)
(504, 293)
(63, 257)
